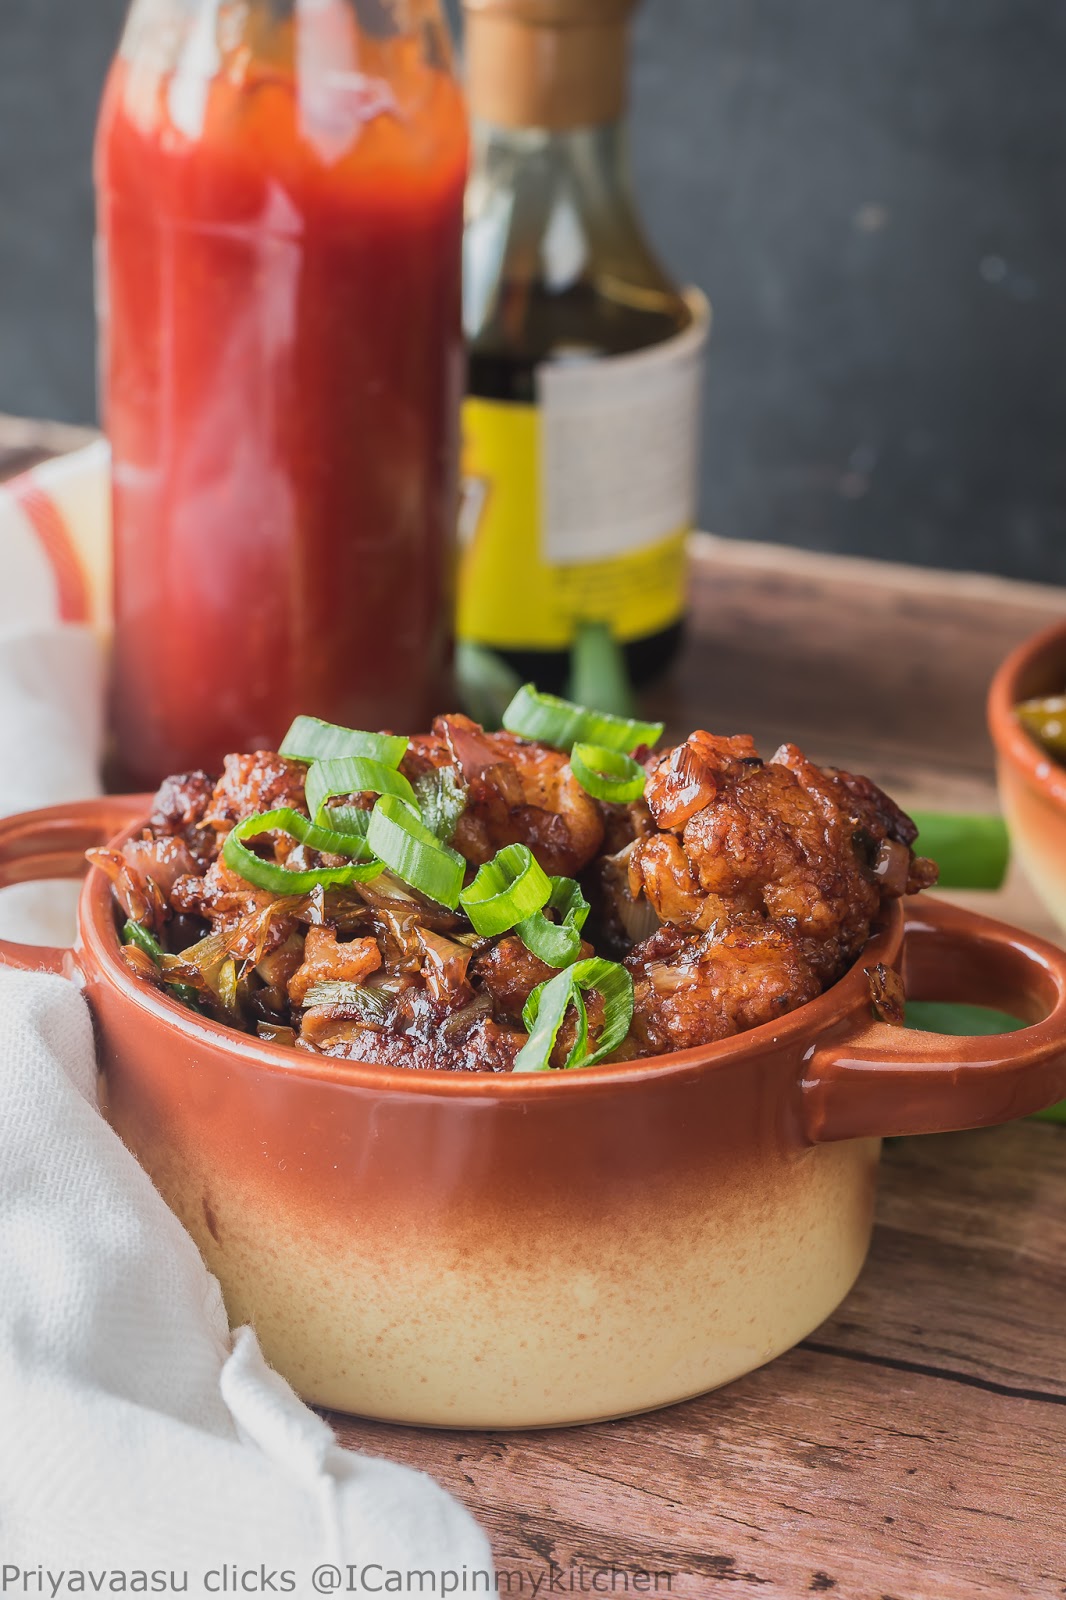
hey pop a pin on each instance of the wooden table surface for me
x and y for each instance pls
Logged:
(914, 1447)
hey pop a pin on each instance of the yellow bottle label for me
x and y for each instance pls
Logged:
(577, 508)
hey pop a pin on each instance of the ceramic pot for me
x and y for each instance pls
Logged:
(1032, 787)
(499, 1251)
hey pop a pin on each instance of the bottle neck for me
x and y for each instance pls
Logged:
(548, 212)
(589, 165)
(522, 75)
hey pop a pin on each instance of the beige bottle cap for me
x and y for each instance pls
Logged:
(552, 64)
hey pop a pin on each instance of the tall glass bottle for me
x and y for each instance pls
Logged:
(581, 420)
(280, 216)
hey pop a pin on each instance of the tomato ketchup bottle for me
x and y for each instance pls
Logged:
(280, 191)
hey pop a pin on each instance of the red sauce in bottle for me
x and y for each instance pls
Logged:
(281, 376)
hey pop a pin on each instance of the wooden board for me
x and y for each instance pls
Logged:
(860, 662)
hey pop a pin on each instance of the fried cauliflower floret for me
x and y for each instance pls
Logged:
(812, 850)
(693, 988)
(804, 854)
(686, 779)
(762, 845)
(767, 845)
(261, 781)
(509, 973)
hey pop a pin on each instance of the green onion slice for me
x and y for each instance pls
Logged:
(311, 740)
(543, 1016)
(136, 933)
(507, 889)
(607, 774)
(408, 848)
(347, 826)
(972, 850)
(548, 1004)
(278, 879)
(334, 841)
(563, 724)
(598, 674)
(579, 1048)
(441, 797)
(351, 775)
(485, 682)
(557, 944)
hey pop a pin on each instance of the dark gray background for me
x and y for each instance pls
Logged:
(872, 192)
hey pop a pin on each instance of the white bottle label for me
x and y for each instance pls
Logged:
(577, 507)
(619, 463)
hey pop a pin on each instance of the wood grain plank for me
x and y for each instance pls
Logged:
(885, 1482)
(967, 1271)
(855, 661)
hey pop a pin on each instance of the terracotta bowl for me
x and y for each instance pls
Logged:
(507, 1251)
(1032, 787)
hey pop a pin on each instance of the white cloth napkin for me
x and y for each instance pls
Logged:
(136, 1432)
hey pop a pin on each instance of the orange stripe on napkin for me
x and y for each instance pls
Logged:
(54, 537)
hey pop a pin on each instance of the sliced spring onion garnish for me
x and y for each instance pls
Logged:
(563, 724)
(137, 934)
(441, 797)
(607, 774)
(548, 1004)
(598, 674)
(350, 775)
(279, 880)
(408, 848)
(485, 682)
(507, 889)
(543, 1016)
(971, 850)
(347, 821)
(311, 740)
(332, 841)
(557, 944)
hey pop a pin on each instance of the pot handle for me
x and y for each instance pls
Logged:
(878, 1080)
(51, 843)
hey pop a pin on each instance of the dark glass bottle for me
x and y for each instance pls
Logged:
(582, 410)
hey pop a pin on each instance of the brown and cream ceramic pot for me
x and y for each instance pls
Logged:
(1032, 786)
(467, 1250)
